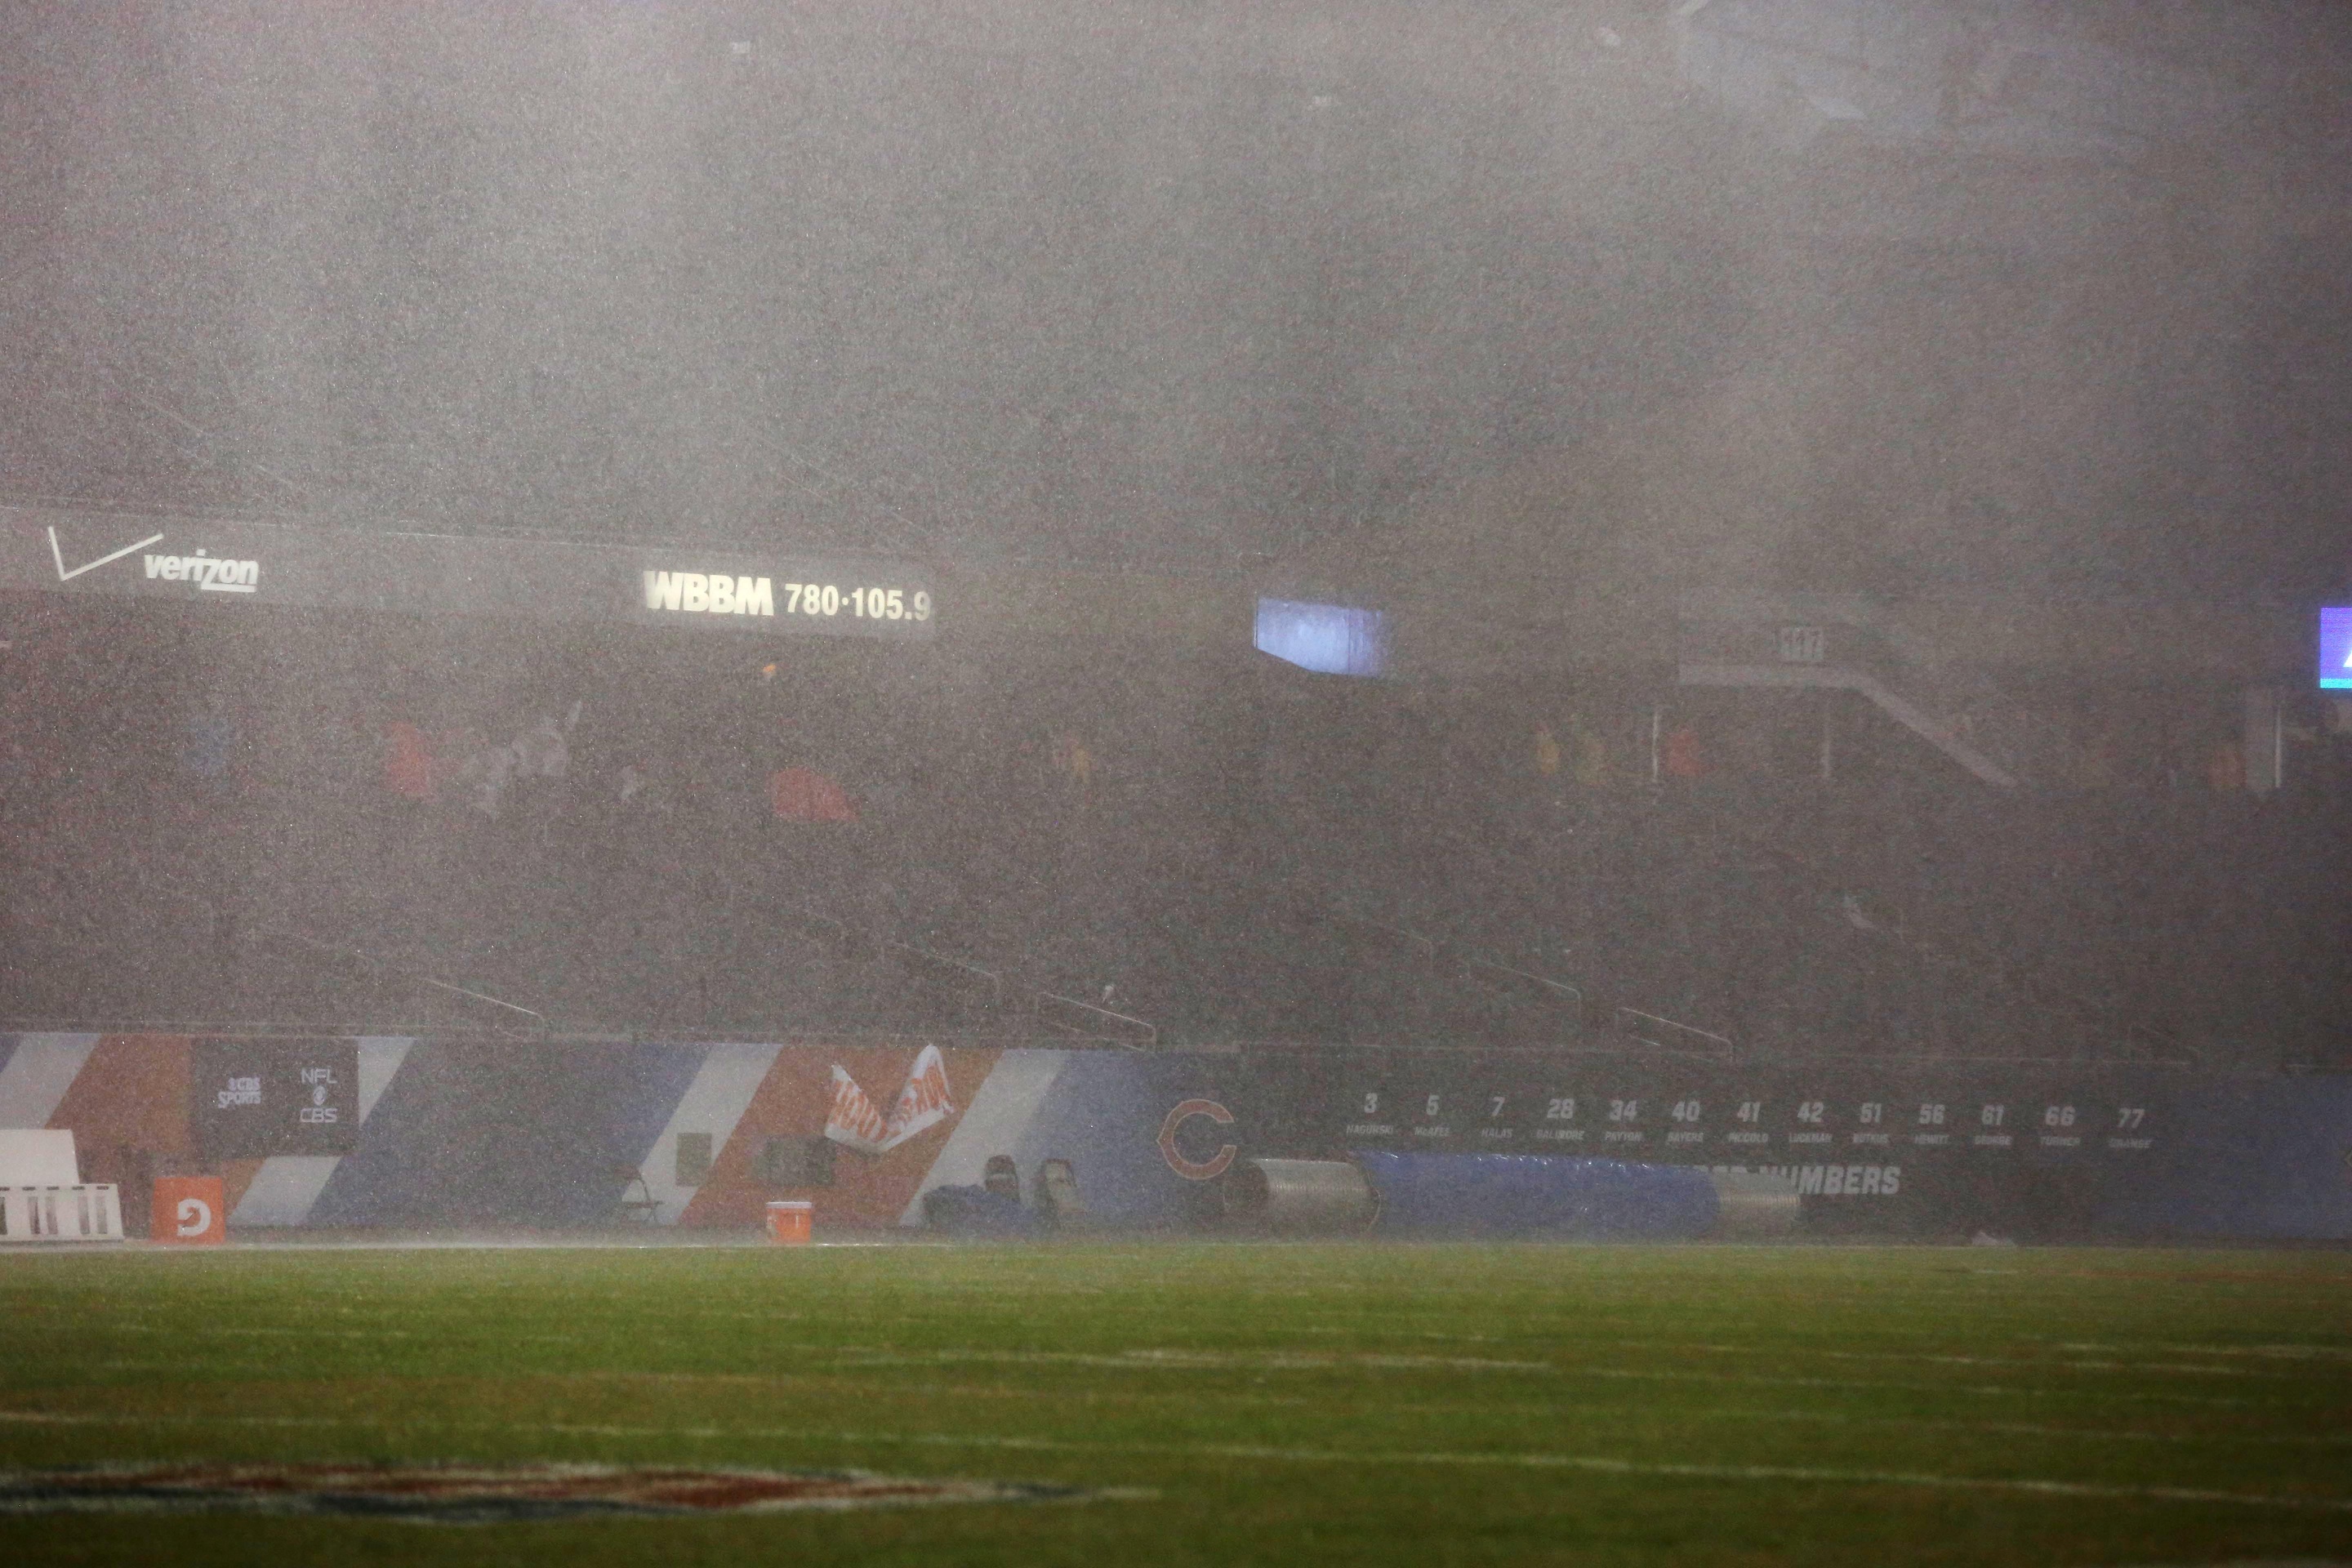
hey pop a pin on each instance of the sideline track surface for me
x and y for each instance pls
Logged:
(1433, 1405)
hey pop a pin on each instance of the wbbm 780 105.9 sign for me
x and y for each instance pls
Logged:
(804, 598)
(253, 1098)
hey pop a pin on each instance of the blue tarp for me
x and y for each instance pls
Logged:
(1538, 1196)
(977, 1211)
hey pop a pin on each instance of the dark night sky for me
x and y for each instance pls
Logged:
(1959, 293)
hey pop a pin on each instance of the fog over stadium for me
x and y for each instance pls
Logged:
(1902, 295)
(1369, 784)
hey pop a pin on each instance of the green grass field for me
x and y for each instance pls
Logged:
(1280, 1405)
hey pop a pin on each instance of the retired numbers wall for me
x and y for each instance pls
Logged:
(1895, 1144)
(401, 1132)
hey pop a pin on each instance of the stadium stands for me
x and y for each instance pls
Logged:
(371, 824)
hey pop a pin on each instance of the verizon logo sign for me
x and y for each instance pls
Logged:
(212, 573)
(709, 593)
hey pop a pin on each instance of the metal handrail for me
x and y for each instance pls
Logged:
(2155, 1039)
(538, 1019)
(2092, 1017)
(375, 964)
(1633, 1020)
(1428, 947)
(1555, 990)
(939, 965)
(1137, 1033)
(382, 966)
(1444, 954)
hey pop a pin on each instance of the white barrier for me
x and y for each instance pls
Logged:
(87, 1211)
(38, 1157)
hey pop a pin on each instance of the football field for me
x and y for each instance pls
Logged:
(1214, 1404)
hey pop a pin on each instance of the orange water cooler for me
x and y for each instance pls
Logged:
(791, 1222)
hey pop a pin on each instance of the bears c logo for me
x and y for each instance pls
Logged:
(1196, 1170)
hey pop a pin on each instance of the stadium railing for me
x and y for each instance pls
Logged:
(1666, 1034)
(973, 988)
(1490, 980)
(1067, 1014)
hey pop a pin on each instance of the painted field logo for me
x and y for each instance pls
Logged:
(923, 1102)
(471, 1494)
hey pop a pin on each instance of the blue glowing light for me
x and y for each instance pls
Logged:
(2335, 648)
(1331, 639)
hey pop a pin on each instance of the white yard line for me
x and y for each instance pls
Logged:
(1180, 1359)
(1185, 1361)
(1799, 1352)
(1592, 1464)
(1172, 1359)
(2268, 1352)
(1843, 1383)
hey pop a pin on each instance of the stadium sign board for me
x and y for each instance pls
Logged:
(202, 560)
(249, 1100)
(1898, 1142)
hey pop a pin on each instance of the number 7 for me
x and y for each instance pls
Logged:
(791, 597)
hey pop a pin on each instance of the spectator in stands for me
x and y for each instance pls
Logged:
(2095, 762)
(804, 795)
(1075, 763)
(207, 746)
(1592, 755)
(340, 751)
(542, 751)
(542, 757)
(2225, 768)
(640, 790)
(409, 764)
(1682, 756)
(487, 773)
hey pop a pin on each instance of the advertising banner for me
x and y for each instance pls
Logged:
(459, 1132)
(232, 562)
(252, 1099)
(189, 1211)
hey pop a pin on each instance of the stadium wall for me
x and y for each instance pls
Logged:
(420, 1134)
